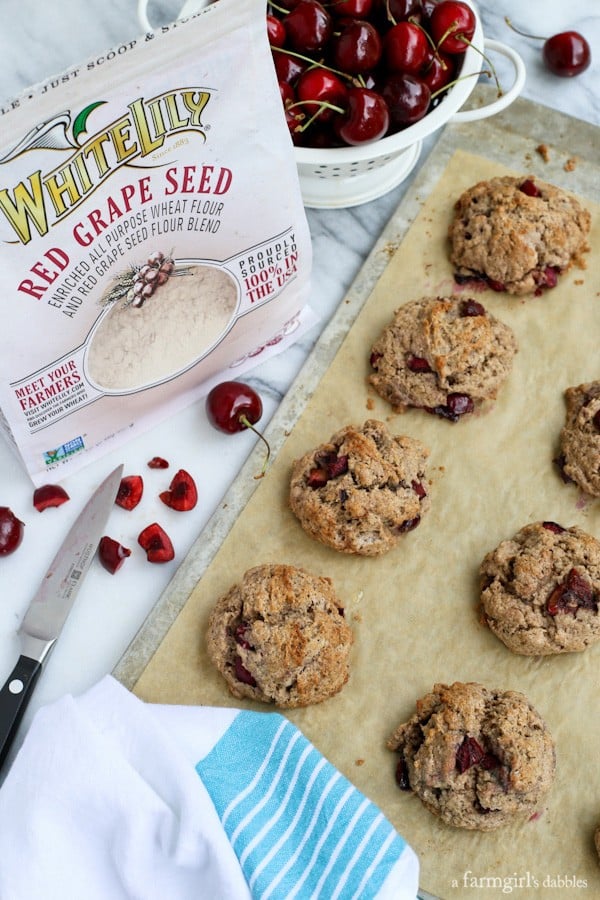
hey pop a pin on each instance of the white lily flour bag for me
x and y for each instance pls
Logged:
(152, 235)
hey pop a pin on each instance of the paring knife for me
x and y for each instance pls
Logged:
(51, 605)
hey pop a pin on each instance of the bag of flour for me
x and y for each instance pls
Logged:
(152, 235)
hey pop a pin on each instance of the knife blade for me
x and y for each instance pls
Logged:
(50, 606)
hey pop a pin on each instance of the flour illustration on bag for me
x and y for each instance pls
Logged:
(152, 235)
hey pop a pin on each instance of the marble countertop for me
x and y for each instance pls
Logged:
(40, 40)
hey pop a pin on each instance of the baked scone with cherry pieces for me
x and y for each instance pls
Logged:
(540, 590)
(362, 490)
(478, 758)
(279, 636)
(517, 234)
(445, 355)
(579, 458)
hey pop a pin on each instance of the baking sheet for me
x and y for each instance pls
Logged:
(414, 611)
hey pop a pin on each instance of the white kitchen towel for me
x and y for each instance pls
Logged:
(111, 798)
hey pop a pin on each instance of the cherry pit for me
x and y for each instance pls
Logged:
(354, 71)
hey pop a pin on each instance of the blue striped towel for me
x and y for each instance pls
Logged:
(106, 800)
(298, 827)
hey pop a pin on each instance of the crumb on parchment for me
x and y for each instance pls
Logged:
(544, 152)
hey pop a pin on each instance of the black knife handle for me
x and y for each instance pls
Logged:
(14, 697)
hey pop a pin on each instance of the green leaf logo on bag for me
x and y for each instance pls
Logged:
(80, 123)
(41, 199)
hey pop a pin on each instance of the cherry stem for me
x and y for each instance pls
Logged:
(451, 31)
(485, 59)
(315, 64)
(388, 12)
(534, 37)
(322, 104)
(280, 9)
(243, 420)
(445, 87)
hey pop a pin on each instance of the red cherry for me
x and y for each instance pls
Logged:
(11, 531)
(288, 68)
(295, 118)
(389, 12)
(308, 26)
(287, 93)
(402, 10)
(408, 99)
(232, 406)
(321, 86)
(367, 118)
(358, 9)
(428, 7)
(112, 554)
(182, 494)
(130, 491)
(452, 26)
(357, 47)
(275, 31)
(49, 495)
(157, 544)
(565, 54)
(363, 43)
(406, 48)
(438, 71)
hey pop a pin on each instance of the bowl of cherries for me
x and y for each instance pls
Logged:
(364, 82)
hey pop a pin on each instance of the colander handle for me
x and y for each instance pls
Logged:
(496, 106)
(189, 8)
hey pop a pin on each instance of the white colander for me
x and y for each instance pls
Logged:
(348, 176)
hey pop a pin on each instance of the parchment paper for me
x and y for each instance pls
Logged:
(414, 611)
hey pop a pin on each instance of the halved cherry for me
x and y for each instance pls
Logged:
(182, 494)
(112, 554)
(49, 495)
(157, 544)
(130, 491)
(157, 462)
